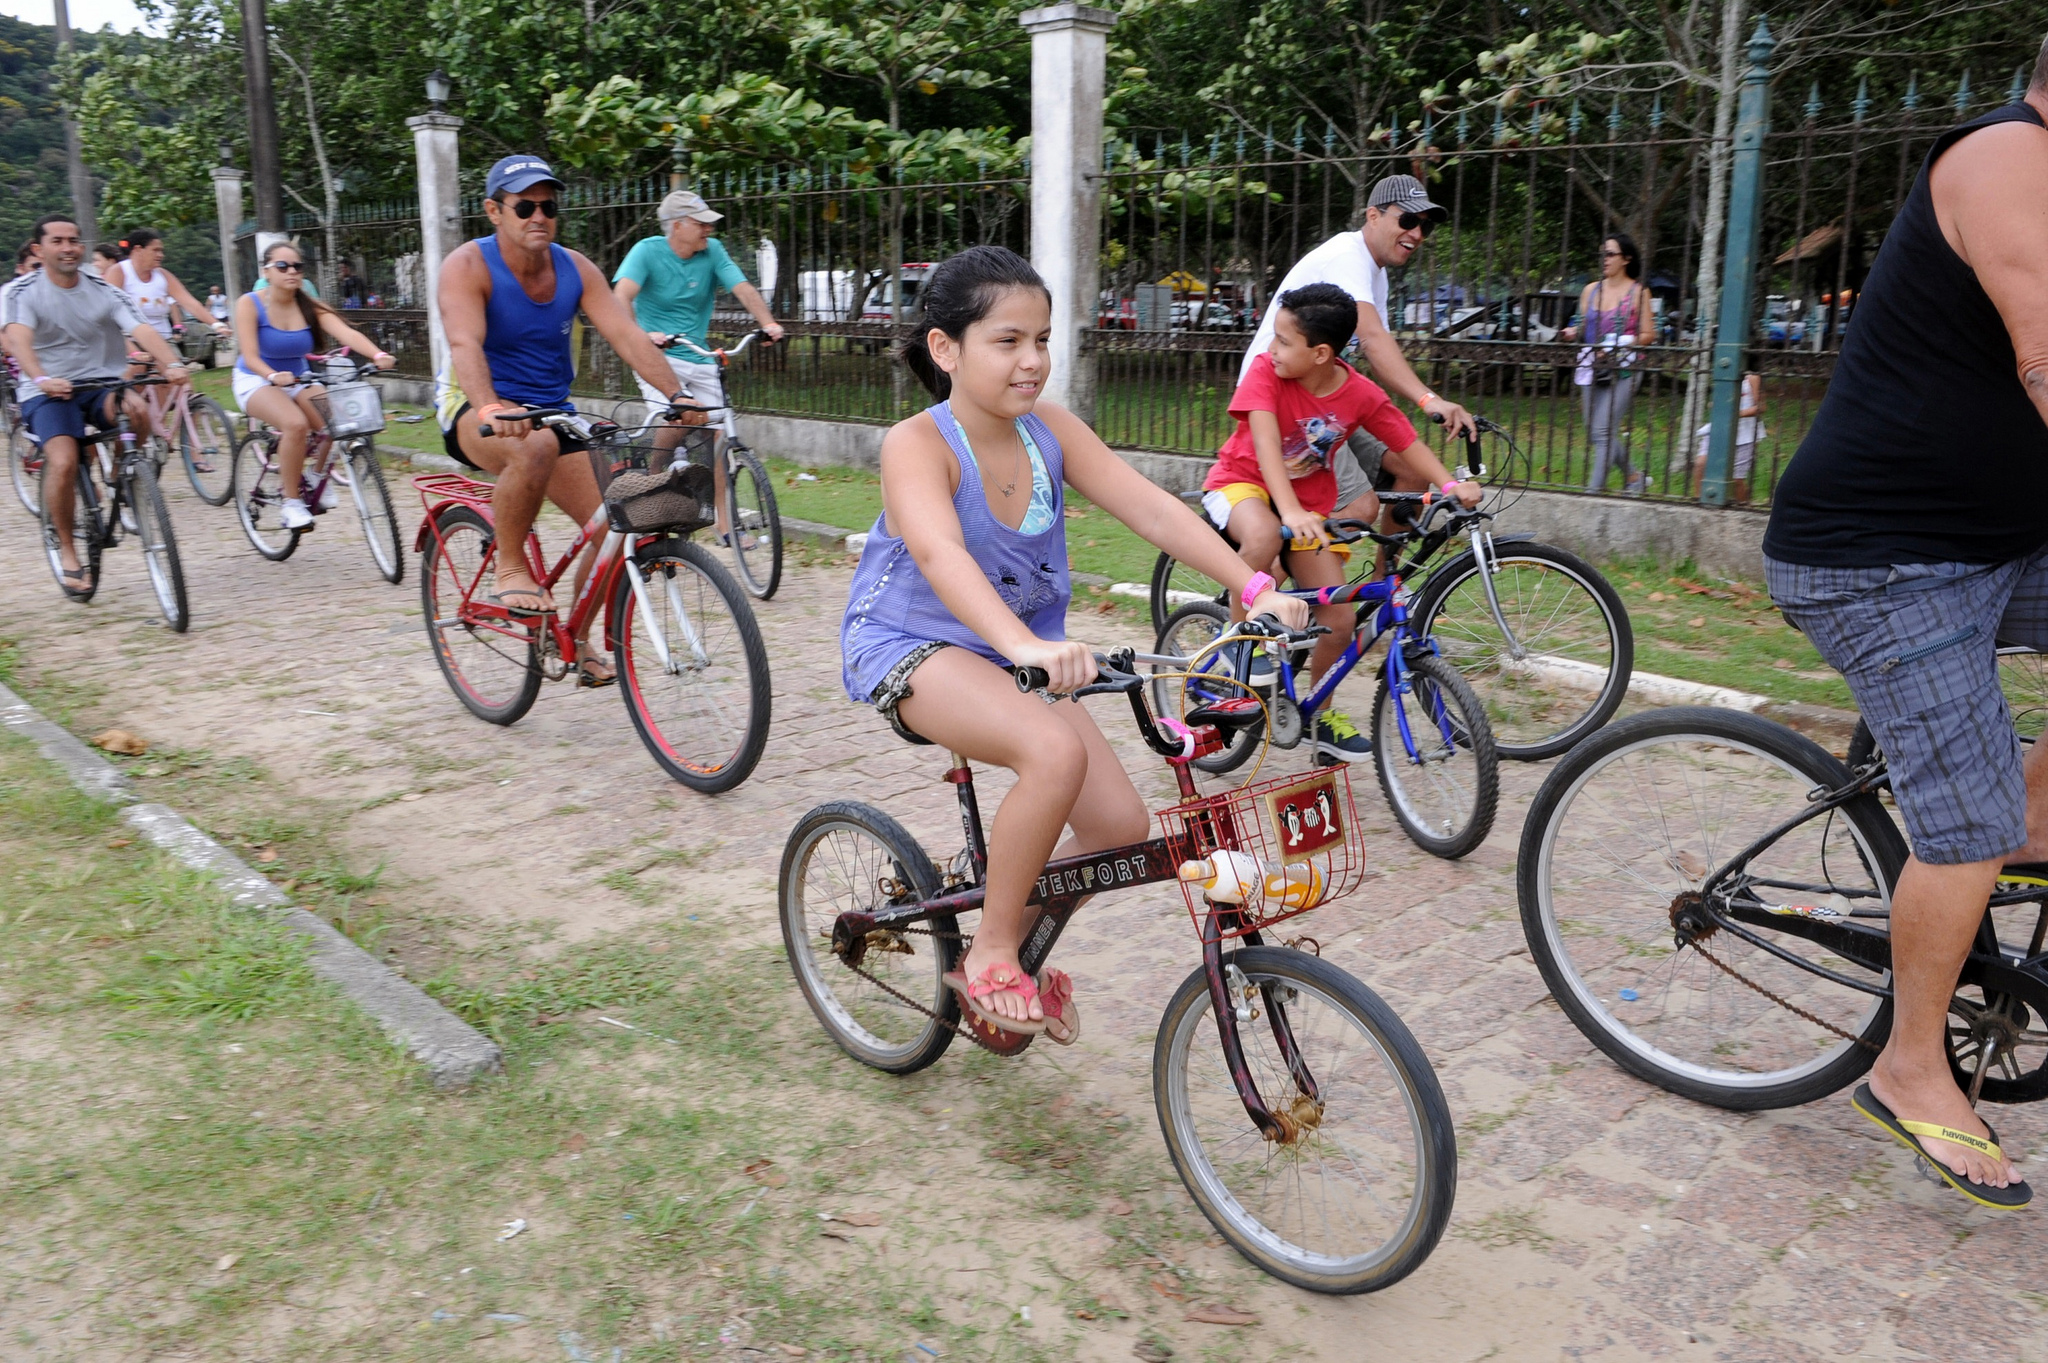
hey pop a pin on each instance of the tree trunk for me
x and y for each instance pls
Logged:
(329, 219)
(1707, 288)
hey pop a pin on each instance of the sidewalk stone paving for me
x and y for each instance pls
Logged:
(1597, 1217)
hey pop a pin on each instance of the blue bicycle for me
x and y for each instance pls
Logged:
(1433, 749)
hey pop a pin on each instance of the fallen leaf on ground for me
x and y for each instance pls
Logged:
(120, 741)
(1656, 596)
(793, 1350)
(1783, 664)
(576, 1142)
(834, 1233)
(1116, 1206)
(859, 1218)
(1222, 1315)
(1084, 1314)
(1697, 621)
(120, 842)
(267, 855)
(764, 1172)
(1167, 1289)
(1152, 1351)
(226, 1262)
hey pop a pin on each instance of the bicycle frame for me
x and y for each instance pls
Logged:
(1067, 881)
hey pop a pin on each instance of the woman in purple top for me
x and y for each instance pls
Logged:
(1614, 317)
(965, 572)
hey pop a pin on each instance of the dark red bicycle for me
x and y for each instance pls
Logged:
(1303, 1117)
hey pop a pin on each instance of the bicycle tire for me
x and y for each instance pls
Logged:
(677, 741)
(88, 528)
(1188, 630)
(258, 492)
(159, 541)
(1563, 906)
(25, 467)
(373, 509)
(852, 1009)
(750, 506)
(1433, 679)
(1222, 1168)
(214, 432)
(1170, 575)
(457, 555)
(1523, 716)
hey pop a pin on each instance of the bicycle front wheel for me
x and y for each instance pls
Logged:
(1566, 669)
(1360, 1194)
(893, 1013)
(206, 442)
(1619, 841)
(373, 509)
(692, 668)
(1174, 585)
(159, 544)
(1189, 630)
(259, 498)
(492, 665)
(1442, 779)
(25, 466)
(750, 511)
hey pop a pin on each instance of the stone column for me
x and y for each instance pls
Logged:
(1069, 46)
(227, 203)
(440, 166)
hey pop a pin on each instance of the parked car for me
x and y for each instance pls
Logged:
(1116, 314)
(1495, 321)
(1784, 320)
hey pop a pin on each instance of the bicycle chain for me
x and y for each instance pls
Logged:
(904, 998)
(1786, 1004)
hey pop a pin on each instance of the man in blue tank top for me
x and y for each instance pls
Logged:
(1908, 538)
(508, 308)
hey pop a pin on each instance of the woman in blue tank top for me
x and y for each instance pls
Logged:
(965, 572)
(274, 332)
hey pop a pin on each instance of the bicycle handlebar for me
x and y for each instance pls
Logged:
(671, 338)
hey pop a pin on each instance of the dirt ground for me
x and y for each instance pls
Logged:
(1597, 1217)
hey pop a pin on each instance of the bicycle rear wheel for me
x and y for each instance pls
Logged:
(1617, 843)
(1578, 648)
(208, 438)
(25, 467)
(750, 508)
(704, 714)
(88, 531)
(159, 542)
(1174, 585)
(1361, 1195)
(1188, 631)
(259, 497)
(373, 509)
(844, 857)
(493, 666)
(1443, 794)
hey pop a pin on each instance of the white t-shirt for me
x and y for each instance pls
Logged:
(151, 296)
(1343, 260)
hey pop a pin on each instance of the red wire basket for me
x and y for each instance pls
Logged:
(1276, 848)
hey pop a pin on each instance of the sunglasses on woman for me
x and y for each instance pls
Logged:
(291, 265)
(525, 207)
(1411, 221)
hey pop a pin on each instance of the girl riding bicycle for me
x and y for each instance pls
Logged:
(965, 574)
(275, 332)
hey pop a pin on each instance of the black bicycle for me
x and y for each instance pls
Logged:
(1540, 634)
(1708, 896)
(115, 493)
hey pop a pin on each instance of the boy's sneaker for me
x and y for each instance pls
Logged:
(1264, 675)
(1338, 737)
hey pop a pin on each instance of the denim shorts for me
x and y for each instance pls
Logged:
(1917, 643)
(895, 689)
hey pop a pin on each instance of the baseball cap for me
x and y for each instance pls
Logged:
(516, 172)
(1405, 193)
(684, 204)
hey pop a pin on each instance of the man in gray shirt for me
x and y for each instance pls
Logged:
(69, 333)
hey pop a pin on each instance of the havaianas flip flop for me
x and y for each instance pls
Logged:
(533, 612)
(994, 979)
(2010, 1198)
(1056, 997)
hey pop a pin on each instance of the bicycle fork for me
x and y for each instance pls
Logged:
(1230, 998)
(1489, 564)
(655, 635)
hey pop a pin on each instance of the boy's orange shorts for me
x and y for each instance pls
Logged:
(1219, 502)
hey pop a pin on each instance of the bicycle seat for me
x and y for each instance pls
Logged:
(1235, 712)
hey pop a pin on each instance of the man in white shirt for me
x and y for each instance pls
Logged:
(1399, 217)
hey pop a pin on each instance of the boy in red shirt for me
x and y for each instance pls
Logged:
(1296, 405)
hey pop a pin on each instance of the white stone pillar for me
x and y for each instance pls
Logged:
(1069, 47)
(227, 203)
(440, 166)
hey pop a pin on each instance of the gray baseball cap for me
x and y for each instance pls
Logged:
(1406, 194)
(684, 204)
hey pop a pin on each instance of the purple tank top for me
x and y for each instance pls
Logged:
(892, 608)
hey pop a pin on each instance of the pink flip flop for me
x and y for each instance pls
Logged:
(1056, 997)
(996, 979)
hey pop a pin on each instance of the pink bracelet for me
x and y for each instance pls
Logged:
(1259, 582)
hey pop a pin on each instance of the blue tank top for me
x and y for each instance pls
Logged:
(527, 343)
(892, 608)
(280, 349)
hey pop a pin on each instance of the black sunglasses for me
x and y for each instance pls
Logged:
(291, 265)
(525, 207)
(1411, 221)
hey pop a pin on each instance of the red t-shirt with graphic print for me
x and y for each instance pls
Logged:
(1311, 429)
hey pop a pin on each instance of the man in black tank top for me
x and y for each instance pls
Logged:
(1908, 538)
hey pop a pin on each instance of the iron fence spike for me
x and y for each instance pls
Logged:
(1862, 105)
(1813, 103)
(1912, 99)
(2018, 90)
(1963, 93)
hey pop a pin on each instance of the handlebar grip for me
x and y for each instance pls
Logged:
(484, 430)
(1032, 678)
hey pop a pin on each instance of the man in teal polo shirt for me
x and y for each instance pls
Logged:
(669, 282)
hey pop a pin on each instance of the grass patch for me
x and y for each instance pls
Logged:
(1725, 633)
(1507, 1226)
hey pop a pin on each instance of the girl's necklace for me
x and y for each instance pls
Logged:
(1009, 489)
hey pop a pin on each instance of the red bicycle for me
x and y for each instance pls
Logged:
(691, 664)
